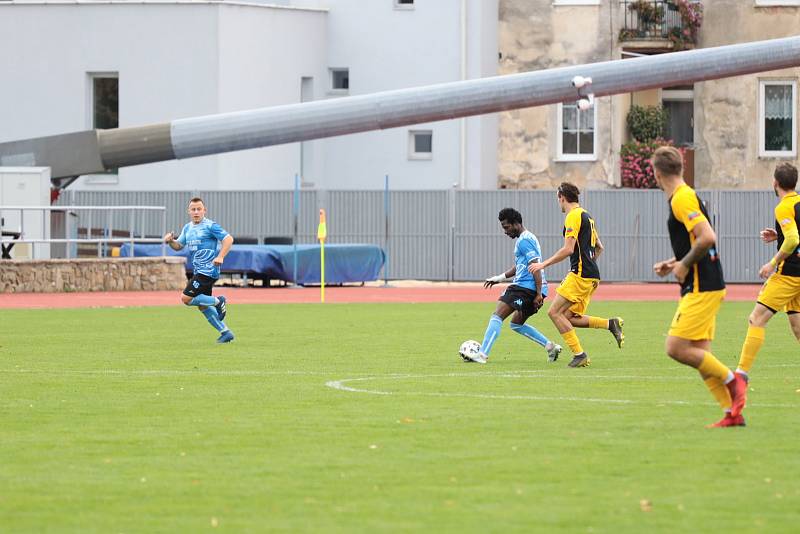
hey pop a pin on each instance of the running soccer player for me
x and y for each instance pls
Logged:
(208, 245)
(524, 296)
(781, 292)
(697, 268)
(582, 246)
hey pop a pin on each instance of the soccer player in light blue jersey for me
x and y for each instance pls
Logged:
(524, 296)
(208, 245)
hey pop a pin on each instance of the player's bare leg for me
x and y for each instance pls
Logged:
(794, 322)
(696, 353)
(613, 325)
(560, 313)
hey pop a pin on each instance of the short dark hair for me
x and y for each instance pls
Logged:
(196, 199)
(511, 215)
(569, 191)
(786, 176)
(668, 160)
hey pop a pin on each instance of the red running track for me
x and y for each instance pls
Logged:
(285, 295)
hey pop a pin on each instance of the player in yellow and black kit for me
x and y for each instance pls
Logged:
(781, 292)
(697, 267)
(583, 246)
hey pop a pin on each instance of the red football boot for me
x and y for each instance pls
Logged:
(738, 390)
(727, 421)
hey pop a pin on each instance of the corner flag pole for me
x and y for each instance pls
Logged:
(386, 214)
(322, 234)
(296, 215)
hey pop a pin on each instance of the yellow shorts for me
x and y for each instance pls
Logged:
(781, 293)
(578, 291)
(696, 317)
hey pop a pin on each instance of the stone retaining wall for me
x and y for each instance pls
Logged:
(100, 274)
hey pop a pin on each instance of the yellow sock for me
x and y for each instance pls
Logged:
(752, 344)
(598, 322)
(712, 367)
(719, 390)
(572, 340)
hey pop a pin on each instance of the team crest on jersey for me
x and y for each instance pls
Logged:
(693, 215)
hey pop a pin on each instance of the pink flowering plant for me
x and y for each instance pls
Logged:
(635, 162)
(691, 19)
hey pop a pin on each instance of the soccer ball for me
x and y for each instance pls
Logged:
(469, 348)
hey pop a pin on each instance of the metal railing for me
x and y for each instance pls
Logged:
(107, 227)
(649, 19)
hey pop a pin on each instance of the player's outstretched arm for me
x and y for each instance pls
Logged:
(561, 254)
(502, 277)
(663, 268)
(171, 240)
(791, 240)
(768, 235)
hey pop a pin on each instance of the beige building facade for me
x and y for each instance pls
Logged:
(735, 130)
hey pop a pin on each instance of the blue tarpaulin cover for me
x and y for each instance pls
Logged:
(343, 263)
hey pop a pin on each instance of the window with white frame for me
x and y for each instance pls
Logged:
(777, 118)
(777, 3)
(576, 129)
(340, 80)
(420, 144)
(404, 4)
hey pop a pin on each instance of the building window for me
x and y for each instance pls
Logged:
(778, 119)
(105, 101)
(678, 102)
(576, 133)
(340, 80)
(404, 4)
(420, 144)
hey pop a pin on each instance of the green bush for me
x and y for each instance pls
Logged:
(647, 122)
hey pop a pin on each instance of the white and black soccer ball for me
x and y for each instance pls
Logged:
(469, 348)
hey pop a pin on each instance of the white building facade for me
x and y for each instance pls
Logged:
(171, 60)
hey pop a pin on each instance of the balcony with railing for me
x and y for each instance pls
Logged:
(667, 23)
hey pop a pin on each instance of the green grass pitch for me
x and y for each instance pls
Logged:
(134, 420)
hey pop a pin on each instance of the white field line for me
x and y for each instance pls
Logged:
(340, 385)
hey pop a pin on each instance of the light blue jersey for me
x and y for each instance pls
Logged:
(527, 250)
(203, 241)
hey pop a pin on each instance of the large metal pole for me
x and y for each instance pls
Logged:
(227, 132)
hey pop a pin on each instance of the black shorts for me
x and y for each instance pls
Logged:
(199, 284)
(521, 299)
